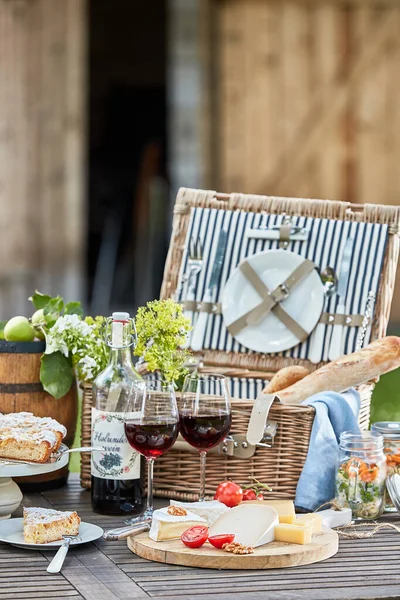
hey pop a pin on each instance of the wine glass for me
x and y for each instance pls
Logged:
(204, 416)
(151, 426)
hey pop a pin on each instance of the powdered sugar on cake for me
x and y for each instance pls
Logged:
(45, 515)
(23, 436)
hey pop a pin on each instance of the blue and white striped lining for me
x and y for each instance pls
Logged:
(324, 247)
(238, 387)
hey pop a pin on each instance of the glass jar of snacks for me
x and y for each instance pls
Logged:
(360, 479)
(391, 435)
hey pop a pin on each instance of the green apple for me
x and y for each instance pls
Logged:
(18, 329)
(37, 320)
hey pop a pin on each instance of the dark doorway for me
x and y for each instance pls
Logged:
(128, 197)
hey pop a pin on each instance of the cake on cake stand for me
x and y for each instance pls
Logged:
(10, 494)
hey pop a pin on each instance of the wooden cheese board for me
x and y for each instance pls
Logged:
(275, 555)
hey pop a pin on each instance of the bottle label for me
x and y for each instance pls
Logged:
(119, 460)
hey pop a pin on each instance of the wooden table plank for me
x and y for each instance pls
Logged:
(362, 569)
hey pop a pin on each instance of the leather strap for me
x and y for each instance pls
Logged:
(271, 300)
(326, 318)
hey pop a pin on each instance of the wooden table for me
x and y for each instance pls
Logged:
(109, 571)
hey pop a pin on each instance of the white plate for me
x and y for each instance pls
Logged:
(21, 470)
(11, 532)
(304, 304)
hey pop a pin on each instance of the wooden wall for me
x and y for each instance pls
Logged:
(42, 149)
(309, 98)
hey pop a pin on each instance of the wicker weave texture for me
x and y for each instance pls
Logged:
(369, 213)
(176, 474)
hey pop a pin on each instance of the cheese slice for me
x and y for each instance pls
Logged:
(293, 534)
(284, 508)
(289, 519)
(170, 527)
(209, 510)
(311, 519)
(252, 524)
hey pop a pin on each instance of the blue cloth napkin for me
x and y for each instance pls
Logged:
(334, 414)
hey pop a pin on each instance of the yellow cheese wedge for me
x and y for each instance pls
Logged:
(284, 508)
(312, 519)
(289, 519)
(293, 534)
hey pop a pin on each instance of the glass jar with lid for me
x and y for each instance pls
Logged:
(361, 475)
(391, 435)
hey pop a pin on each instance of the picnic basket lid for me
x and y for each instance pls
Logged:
(328, 223)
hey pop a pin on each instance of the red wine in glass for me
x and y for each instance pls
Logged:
(204, 432)
(153, 439)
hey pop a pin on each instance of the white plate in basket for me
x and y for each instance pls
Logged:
(304, 304)
(11, 532)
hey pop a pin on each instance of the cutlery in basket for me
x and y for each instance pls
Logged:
(201, 323)
(195, 264)
(336, 344)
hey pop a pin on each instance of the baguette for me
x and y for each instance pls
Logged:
(284, 378)
(381, 356)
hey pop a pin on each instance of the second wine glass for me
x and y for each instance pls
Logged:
(204, 416)
(151, 427)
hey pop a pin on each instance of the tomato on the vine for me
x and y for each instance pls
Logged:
(249, 495)
(219, 540)
(194, 537)
(229, 493)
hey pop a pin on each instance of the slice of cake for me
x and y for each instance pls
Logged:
(44, 525)
(26, 437)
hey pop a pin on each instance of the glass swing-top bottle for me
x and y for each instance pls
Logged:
(118, 474)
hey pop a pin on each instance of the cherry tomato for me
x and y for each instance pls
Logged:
(219, 540)
(229, 493)
(194, 537)
(260, 496)
(249, 495)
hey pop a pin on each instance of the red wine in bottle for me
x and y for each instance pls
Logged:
(118, 470)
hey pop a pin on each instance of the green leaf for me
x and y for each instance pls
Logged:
(39, 300)
(56, 374)
(54, 305)
(73, 308)
(2, 325)
(52, 310)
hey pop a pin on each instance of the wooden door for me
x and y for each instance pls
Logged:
(42, 149)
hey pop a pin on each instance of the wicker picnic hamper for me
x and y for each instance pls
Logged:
(176, 473)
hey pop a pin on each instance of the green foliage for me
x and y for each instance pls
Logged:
(73, 308)
(39, 300)
(386, 398)
(56, 374)
(2, 325)
(71, 343)
(161, 329)
(92, 354)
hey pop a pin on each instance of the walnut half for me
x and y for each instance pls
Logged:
(236, 548)
(177, 511)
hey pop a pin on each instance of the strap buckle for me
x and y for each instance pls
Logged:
(280, 293)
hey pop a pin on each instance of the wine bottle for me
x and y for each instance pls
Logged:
(118, 472)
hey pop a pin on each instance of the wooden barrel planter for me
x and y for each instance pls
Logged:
(21, 390)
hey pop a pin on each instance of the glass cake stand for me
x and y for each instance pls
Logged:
(10, 494)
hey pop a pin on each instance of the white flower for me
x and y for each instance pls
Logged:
(54, 344)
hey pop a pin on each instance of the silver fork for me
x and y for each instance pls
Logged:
(56, 564)
(195, 264)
